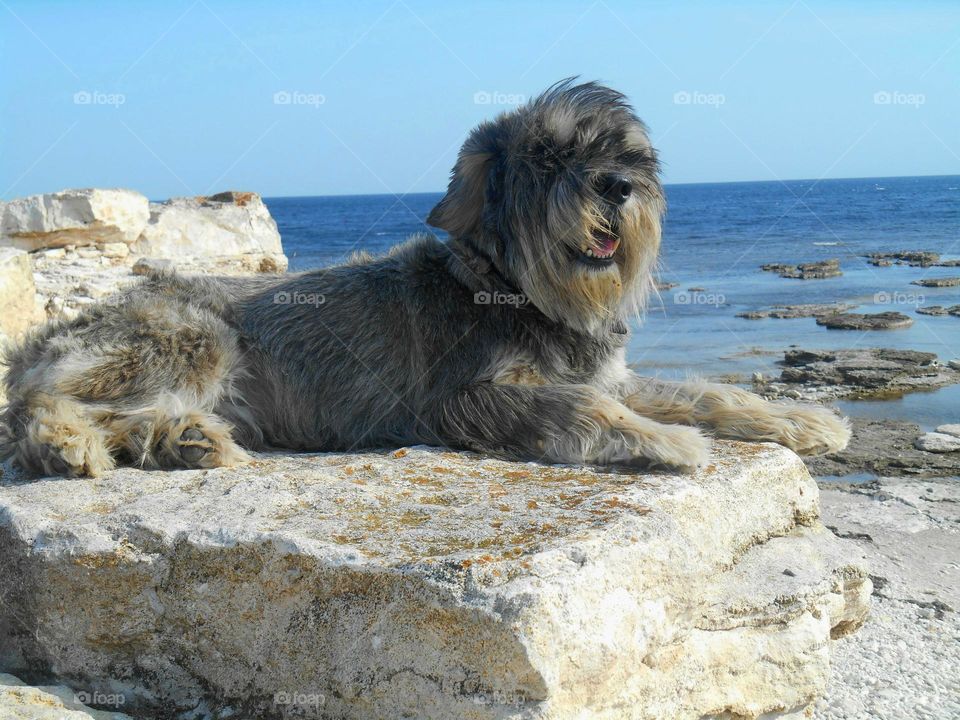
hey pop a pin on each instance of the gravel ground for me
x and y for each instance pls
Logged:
(904, 663)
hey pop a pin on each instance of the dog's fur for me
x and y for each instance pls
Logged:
(508, 339)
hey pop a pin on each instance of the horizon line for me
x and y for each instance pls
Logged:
(666, 185)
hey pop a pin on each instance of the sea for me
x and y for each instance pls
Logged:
(715, 238)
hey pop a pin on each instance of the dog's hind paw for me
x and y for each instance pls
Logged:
(809, 430)
(196, 441)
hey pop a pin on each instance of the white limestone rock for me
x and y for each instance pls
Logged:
(938, 442)
(19, 308)
(430, 584)
(229, 227)
(73, 217)
(950, 429)
(19, 701)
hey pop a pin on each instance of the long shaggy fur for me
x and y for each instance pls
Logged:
(507, 339)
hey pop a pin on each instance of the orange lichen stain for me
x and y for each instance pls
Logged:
(525, 565)
(497, 490)
(429, 482)
(402, 452)
(502, 507)
(496, 524)
(532, 505)
(348, 470)
(466, 563)
(710, 469)
(440, 469)
(616, 503)
(359, 481)
(517, 474)
(435, 500)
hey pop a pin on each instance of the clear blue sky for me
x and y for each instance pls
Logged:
(180, 94)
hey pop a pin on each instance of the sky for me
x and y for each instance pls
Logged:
(189, 97)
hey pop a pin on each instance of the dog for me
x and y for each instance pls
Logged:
(507, 339)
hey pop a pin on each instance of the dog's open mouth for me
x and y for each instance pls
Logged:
(601, 250)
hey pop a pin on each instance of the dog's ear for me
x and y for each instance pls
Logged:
(461, 209)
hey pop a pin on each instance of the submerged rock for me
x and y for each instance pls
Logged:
(790, 312)
(806, 271)
(423, 583)
(916, 258)
(865, 321)
(938, 282)
(860, 372)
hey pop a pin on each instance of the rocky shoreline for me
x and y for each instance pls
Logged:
(62, 251)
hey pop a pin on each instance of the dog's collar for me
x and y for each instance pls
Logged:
(475, 269)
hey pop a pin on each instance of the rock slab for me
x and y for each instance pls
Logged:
(431, 584)
(73, 217)
(229, 226)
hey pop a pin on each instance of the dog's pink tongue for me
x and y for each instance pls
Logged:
(606, 243)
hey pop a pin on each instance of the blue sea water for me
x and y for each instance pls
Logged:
(715, 237)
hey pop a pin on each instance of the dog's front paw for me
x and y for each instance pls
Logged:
(649, 443)
(810, 430)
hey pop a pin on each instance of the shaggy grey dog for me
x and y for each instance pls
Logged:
(508, 339)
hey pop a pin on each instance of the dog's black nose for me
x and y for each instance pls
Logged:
(617, 189)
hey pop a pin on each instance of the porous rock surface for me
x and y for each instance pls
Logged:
(422, 583)
(19, 701)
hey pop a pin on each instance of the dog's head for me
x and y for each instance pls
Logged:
(562, 197)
